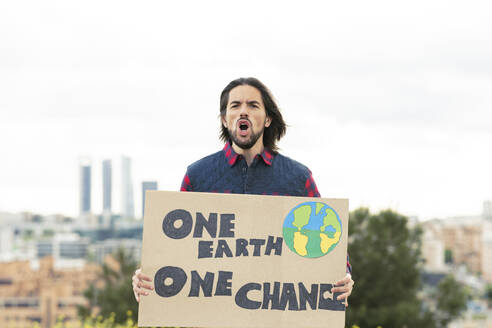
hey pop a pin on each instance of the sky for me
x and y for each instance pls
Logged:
(388, 103)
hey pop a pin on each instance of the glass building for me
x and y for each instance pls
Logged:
(147, 185)
(107, 185)
(85, 186)
(128, 208)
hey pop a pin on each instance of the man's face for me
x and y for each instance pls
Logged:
(245, 117)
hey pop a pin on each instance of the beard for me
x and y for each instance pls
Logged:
(245, 144)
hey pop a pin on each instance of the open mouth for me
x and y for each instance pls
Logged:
(243, 127)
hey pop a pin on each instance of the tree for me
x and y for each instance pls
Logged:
(488, 294)
(448, 256)
(451, 301)
(116, 296)
(386, 257)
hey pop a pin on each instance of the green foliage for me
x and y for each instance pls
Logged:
(451, 301)
(109, 322)
(116, 297)
(95, 322)
(448, 256)
(27, 234)
(488, 294)
(386, 258)
(48, 233)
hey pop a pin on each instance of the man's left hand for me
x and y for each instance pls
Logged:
(344, 286)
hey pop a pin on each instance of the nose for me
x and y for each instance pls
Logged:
(243, 111)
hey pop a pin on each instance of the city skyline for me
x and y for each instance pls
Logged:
(105, 190)
(89, 194)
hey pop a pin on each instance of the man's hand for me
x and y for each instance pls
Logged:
(344, 286)
(139, 285)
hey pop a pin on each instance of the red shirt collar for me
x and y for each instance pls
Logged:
(232, 156)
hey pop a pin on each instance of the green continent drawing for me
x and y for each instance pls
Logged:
(312, 229)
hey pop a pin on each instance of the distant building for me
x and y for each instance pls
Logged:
(44, 248)
(67, 249)
(487, 210)
(465, 244)
(487, 251)
(107, 185)
(6, 242)
(147, 185)
(132, 247)
(457, 241)
(85, 187)
(43, 295)
(72, 249)
(433, 247)
(128, 208)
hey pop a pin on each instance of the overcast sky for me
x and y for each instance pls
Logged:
(388, 103)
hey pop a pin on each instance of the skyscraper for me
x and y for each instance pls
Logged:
(127, 205)
(487, 210)
(85, 186)
(147, 185)
(107, 185)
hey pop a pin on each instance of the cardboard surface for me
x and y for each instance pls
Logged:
(203, 277)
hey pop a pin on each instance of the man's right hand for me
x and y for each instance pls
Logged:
(139, 285)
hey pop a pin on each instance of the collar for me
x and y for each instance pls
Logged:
(232, 157)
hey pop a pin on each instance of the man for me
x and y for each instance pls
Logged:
(249, 162)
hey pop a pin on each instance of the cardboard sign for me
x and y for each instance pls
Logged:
(226, 260)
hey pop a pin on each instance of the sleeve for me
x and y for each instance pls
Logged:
(186, 184)
(312, 191)
(310, 188)
(349, 266)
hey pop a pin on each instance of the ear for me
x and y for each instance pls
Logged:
(268, 121)
(224, 123)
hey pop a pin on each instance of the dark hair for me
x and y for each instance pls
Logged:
(277, 127)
